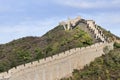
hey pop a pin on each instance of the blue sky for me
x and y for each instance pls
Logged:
(20, 18)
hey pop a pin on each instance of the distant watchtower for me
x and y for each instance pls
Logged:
(91, 23)
(70, 23)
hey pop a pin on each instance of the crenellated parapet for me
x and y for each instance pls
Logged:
(71, 23)
(59, 65)
(96, 30)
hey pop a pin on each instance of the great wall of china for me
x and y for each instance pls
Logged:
(62, 64)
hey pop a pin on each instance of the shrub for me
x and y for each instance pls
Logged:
(39, 54)
(117, 45)
(23, 56)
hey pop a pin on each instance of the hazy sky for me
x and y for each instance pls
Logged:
(20, 18)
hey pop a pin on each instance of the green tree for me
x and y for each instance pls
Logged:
(23, 56)
(117, 45)
(39, 54)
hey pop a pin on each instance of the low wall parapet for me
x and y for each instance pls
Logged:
(51, 59)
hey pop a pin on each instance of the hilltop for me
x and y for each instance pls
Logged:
(57, 40)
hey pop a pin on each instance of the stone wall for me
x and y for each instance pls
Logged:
(57, 66)
(70, 23)
(62, 64)
(96, 30)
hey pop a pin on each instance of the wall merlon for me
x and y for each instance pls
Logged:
(82, 52)
(83, 48)
(12, 70)
(35, 63)
(76, 49)
(17, 70)
(55, 56)
(49, 59)
(42, 61)
(67, 52)
(28, 65)
(73, 50)
(61, 55)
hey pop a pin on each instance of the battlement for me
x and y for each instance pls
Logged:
(70, 23)
(91, 23)
(62, 64)
(50, 60)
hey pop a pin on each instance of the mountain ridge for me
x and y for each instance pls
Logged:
(64, 37)
(55, 41)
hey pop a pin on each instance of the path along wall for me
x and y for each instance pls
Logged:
(58, 66)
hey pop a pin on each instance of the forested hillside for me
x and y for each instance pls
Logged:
(106, 67)
(29, 49)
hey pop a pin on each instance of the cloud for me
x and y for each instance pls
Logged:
(4, 8)
(20, 18)
(90, 4)
(106, 17)
(29, 26)
(21, 5)
(109, 21)
(26, 28)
